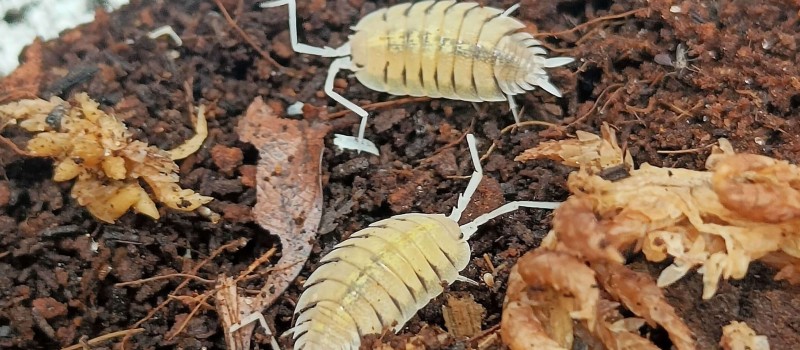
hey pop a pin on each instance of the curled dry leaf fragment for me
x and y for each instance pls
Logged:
(595, 153)
(757, 187)
(739, 336)
(289, 192)
(744, 208)
(193, 144)
(640, 294)
(97, 150)
(548, 290)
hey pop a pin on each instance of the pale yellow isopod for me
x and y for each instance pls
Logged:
(382, 275)
(435, 48)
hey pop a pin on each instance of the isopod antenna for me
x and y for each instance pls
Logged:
(470, 228)
(474, 181)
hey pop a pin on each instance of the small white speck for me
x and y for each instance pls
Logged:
(168, 31)
(295, 109)
(759, 141)
(94, 247)
(675, 9)
(748, 81)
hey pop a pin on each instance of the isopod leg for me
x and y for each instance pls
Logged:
(514, 108)
(470, 228)
(256, 316)
(344, 50)
(474, 181)
(510, 10)
(343, 141)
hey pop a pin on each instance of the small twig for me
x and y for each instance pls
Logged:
(587, 35)
(680, 111)
(377, 105)
(191, 301)
(486, 332)
(238, 243)
(594, 106)
(246, 37)
(588, 23)
(261, 274)
(458, 177)
(4, 254)
(489, 151)
(156, 278)
(200, 303)
(187, 88)
(507, 129)
(59, 230)
(106, 337)
(611, 98)
(14, 147)
(651, 103)
(255, 264)
(489, 263)
(527, 123)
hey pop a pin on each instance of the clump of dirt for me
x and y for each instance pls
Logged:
(734, 77)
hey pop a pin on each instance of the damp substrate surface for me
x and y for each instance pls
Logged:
(739, 81)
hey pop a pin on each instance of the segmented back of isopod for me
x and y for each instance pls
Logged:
(449, 49)
(377, 279)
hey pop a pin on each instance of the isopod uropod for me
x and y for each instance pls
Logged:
(382, 275)
(435, 48)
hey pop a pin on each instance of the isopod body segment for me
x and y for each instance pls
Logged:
(455, 50)
(382, 275)
(435, 48)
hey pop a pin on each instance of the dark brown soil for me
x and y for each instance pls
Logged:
(741, 83)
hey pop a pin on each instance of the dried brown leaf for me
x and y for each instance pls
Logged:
(289, 192)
